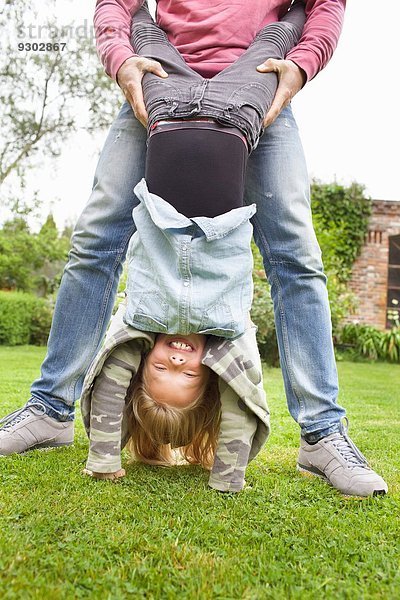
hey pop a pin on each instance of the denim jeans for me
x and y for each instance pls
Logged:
(239, 96)
(277, 182)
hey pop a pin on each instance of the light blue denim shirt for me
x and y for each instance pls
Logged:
(189, 275)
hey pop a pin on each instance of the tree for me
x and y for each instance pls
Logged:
(51, 84)
(53, 249)
(51, 244)
(29, 261)
(18, 255)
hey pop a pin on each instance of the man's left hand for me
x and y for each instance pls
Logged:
(291, 79)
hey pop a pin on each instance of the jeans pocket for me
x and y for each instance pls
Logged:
(250, 101)
(158, 93)
(147, 311)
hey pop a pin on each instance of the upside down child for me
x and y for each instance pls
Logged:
(180, 374)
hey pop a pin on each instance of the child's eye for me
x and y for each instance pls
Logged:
(160, 368)
(190, 374)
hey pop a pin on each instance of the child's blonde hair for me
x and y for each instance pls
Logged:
(155, 428)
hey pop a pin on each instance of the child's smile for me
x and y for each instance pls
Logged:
(179, 345)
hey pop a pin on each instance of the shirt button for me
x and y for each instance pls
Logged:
(186, 283)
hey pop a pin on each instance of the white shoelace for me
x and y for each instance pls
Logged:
(348, 449)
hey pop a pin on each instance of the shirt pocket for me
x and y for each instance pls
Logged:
(218, 319)
(147, 311)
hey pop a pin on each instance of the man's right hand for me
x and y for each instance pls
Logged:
(129, 79)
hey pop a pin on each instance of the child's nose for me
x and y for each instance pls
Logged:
(176, 359)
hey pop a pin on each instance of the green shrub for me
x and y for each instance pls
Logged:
(364, 339)
(262, 312)
(24, 319)
(341, 216)
(41, 322)
(342, 302)
(390, 344)
(369, 342)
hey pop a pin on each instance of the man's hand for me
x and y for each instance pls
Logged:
(129, 79)
(291, 79)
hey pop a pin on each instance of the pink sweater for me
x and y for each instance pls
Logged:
(212, 34)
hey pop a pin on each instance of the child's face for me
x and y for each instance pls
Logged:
(173, 370)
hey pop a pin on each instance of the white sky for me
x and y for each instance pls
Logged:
(348, 115)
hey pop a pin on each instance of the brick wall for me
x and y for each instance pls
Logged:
(370, 271)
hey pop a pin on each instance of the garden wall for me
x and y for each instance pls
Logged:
(370, 274)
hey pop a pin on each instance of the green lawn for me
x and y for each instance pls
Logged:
(162, 534)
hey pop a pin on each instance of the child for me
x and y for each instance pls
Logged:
(190, 277)
(233, 413)
(189, 274)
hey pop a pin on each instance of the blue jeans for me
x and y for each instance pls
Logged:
(277, 182)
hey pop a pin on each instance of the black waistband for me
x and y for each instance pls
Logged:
(200, 123)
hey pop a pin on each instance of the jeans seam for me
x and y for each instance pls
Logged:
(283, 262)
(167, 43)
(286, 348)
(117, 251)
(263, 239)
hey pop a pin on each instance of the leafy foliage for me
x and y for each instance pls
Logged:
(390, 344)
(341, 215)
(342, 301)
(262, 312)
(24, 319)
(371, 343)
(31, 261)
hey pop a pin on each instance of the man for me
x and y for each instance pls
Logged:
(210, 36)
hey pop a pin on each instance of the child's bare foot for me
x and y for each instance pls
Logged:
(111, 476)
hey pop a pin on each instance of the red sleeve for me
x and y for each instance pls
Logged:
(320, 35)
(112, 23)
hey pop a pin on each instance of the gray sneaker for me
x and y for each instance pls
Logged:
(337, 459)
(30, 427)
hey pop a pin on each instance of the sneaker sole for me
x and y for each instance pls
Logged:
(49, 445)
(314, 472)
(311, 472)
(44, 446)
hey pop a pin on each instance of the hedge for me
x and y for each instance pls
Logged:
(24, 319)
